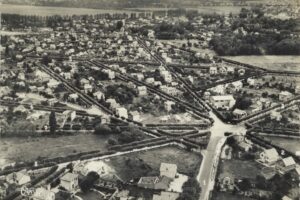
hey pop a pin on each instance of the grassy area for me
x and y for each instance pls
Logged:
(91, 195)
(240, 168)
(284, 63)
(227, 196)
(286, 143)
(22, 149)
(147, 163)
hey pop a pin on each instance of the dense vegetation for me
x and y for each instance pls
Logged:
(252, 33)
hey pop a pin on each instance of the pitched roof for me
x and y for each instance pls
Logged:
(69, 177)
(288, 161)
(222, 97)
(271, 153)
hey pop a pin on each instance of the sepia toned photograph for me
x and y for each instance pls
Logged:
(149, 99)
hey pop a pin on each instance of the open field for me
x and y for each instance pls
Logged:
(48, 11)
(240, 168)
(201, 9)
(147, 163)
(227, 196)
(292, 145)
(22, 149)
(284, 63)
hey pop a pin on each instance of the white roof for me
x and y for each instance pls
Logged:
(288, 161)
(223, 97)
(271, 153)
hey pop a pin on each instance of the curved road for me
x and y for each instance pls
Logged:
(207, 172)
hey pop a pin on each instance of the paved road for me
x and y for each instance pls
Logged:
(206, 176)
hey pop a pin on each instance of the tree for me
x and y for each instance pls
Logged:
(87, 183)
(102, 129)
(52, 122)
(190, 190)
(119, 25)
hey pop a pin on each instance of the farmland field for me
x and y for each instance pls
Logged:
(29, 149)
(292, 145)
(284, 63)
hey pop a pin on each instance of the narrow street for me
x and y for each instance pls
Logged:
(207, 172)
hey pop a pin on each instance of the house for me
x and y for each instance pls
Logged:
(168, 105)
(297, 89)
(112, 103)
(43, 194)
(73, 97)
(156, 183)
(269, 156)
(166, 76)
(213, 70)
(239, 113)
(285, 165)
(169, 90)
(219, 89)
(111, 74)
(150, 80)
(237, 85)
(52, 83)
(285, 95)
(69, 181)
(18, 178)
(251, 81)
(138, 76)
(87, 88)
(135, 116)
(142, 90)
(168, 170)
(223, 101)
(166, 196)
(99, 95)
(276, 115)
(122, 195)
(122, 112)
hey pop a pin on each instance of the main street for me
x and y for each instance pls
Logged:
(208, 169)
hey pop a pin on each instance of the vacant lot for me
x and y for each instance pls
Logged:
(22, 149)
(227, 196)
(148, 162)
(292, 145)
(284, 63)
(240, 168)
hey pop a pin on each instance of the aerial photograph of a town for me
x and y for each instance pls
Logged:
(150, 100)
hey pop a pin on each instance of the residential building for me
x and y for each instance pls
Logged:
(286, 164)
(135, 116)
(69, 181)
(99, 95)
(43, 194)
(168, 170)
(18, 178)
(224, 101)
(239, 113)
(285, 95)
(168, 105)
(156, 183)
(213, 70)
(111, 74)
(269, 156)
(122, 112)
(112, 103)
(142, 90)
